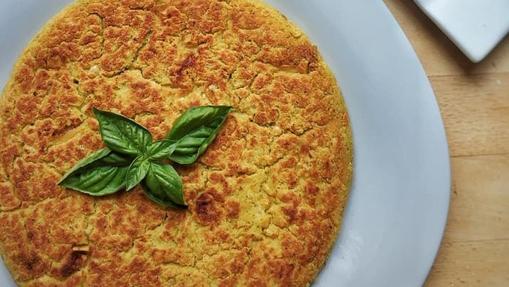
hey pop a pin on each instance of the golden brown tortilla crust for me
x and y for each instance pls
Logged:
(265, 201)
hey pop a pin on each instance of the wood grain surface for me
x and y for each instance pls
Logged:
(474, 102)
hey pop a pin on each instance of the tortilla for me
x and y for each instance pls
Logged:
(265, 200)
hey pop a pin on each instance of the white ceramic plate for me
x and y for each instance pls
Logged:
(475, 26)
(398, 206)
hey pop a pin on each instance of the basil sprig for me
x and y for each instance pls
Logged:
(131, 157)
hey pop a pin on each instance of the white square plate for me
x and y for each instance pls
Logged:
(475, 26)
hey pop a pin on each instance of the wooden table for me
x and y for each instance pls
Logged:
(474, 101)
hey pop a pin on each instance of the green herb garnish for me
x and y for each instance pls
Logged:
(131, 157)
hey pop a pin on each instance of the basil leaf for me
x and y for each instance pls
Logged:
(122, 134)
(163, 185)
(97, 181)
(101, 173)
(161, 149)
(195, 130)
(137, 172)
(152, 196)
(93, 157)
(115, 159)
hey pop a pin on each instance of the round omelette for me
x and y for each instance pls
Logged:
(265, 200)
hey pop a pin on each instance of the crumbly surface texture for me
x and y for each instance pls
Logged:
(265, 201)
